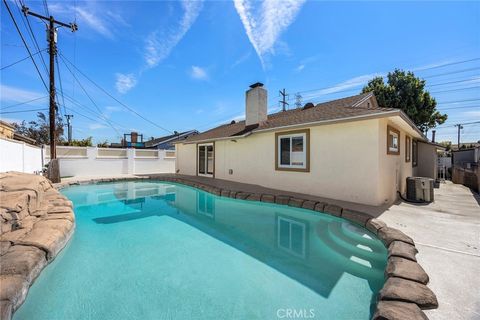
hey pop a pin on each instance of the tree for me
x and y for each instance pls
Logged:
(87, 142)
(103, 144)
(447, 145)
(39, 129)
(407, 92)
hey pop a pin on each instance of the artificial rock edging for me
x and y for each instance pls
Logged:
(404, 293)
(36, 224)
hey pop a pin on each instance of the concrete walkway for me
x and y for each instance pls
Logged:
(447, 235)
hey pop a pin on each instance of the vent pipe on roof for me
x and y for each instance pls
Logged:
(433, 135)
(308, 105)
(255, 104)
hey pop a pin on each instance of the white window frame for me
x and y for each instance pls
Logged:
(395, 141)
(206, 160)
(289, 248)
(279, 154)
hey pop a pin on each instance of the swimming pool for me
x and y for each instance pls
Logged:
(157, 250)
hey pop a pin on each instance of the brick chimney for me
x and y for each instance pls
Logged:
(255, 104)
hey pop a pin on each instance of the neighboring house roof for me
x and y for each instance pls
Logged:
(23, 138)
(437, 145)
(345, 109)
(171, 138)
(6, 124)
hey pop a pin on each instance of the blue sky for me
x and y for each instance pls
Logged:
(186, 65)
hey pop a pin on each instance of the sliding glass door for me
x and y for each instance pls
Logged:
(205, 159)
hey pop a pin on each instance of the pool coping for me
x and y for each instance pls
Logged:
(404, 293)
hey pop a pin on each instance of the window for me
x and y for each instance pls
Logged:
(407, 149)
(205, 159)
(291, 236)
(414, 153)
(393, 141)
(292, 150)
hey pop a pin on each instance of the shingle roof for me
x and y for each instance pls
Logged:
(325, 111)
(172, 138)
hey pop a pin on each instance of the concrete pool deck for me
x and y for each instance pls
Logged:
(446, 232)
(447, 236)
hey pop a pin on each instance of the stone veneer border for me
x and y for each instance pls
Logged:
(404, 293)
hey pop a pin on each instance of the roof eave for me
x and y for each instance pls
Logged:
(215, 139)
(300, 125)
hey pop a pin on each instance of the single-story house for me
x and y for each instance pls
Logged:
(348, 149)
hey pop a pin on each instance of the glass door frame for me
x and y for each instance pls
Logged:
(206, 145)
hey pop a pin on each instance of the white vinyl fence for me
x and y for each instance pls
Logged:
(93, 161)
(20, 156)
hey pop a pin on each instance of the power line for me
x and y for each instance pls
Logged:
(21, 111)
(21, 103)
(457, 101)
(31, 34)
(448, 64)
(45, 6)
(455, 125)
(111, 96)
(459, 81)
(459, 89)
(21, 60)
(353, 88)
(431, 76)
(99, 115)
(24, 43)
(90, 98)
(467, 107)
(449, 73)
(61, 86)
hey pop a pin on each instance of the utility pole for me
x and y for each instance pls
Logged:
(460, 127)
(69, 126)
(52, 50)
(283, 101)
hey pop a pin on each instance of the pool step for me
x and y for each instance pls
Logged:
(355, 244)
(354, 260)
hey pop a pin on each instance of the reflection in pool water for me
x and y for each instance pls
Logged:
(153, 250)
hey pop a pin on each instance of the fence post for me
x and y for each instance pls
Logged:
(23, 156)
(131, 161)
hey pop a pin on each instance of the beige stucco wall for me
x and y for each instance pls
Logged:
(348, 161)
(393, 168)
(186, 157)
(344, 162)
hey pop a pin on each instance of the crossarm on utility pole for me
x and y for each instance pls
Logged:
(72, 26)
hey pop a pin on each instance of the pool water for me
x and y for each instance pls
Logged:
(156, 250)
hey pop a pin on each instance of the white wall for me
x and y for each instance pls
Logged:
(19, 156)
(85, 161)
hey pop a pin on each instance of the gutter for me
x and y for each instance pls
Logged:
(216, 139)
